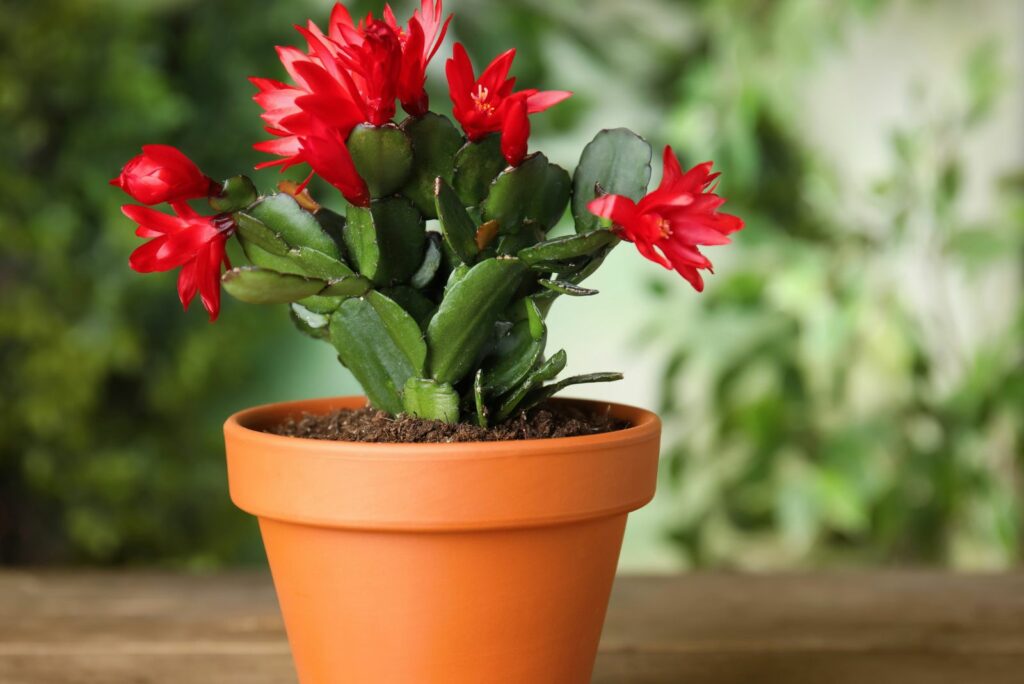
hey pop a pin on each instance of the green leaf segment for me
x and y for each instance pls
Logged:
(440, 319)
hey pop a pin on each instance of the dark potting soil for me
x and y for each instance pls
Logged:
(372, 425)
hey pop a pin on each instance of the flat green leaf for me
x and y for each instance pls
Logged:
(435, 142)
(413, 301)
(548, 370)
(259, 286)
(431, 400)
(321, 304)
(457, 274)
(260, 257)
(529, 235)
(543, 393)
(573, 276)
(381, 345)
(514, 356)
(402, 328)
(478, 398)
(309, 322)
(534, 318)
(347, 286)
(620, 162)
(236, 194)
(458, 228)
(533, 191)
(333, 224)
(567, 248)
(431, 263)
(298, 261)
(462, 325)
(476, 166)
(255, 232)
(382, 156)
(387, 240)
(566, 288)
(283, 216)
(315, 263)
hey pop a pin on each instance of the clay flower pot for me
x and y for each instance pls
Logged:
(448, 563)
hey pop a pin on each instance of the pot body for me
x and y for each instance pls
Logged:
(449, 563)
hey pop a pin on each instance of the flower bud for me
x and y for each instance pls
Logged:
(163, 174)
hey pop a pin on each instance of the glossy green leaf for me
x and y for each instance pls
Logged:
(476, 166)
(386, 241)
(577, 274)
(382, 346)
(298, 261)
(567, 248)
(435, 142)
(533, 191)
(566, 288)
(514, 356)
(478, 399)
(541, 394)
(321, 304)
(283, 216)
(413, 301)
(236, 193)
(309, 322)
(333, 224)
(255, 232)
(620, 162)
(259, 286)
(548, 370)
(431, 263)
(534, 318)
(462, 325)
(347, 286)
(382, 156)
(458, 228)
(260, 257)
(402, 328)
(431, 400)
(529, 235)
(457, 274)
(315, 263)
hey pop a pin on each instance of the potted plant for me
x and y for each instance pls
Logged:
(462, 526)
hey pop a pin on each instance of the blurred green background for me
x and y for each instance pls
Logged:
(848, 391)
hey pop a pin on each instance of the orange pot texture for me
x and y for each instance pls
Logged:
(484, 562)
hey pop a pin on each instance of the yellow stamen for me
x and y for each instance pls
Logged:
(480, 98)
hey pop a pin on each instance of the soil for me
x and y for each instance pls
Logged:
(372, 425)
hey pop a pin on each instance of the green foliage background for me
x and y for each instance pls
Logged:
(811, 420)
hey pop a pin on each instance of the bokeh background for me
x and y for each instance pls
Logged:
(848, 391)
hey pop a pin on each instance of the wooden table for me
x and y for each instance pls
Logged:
(906, 627)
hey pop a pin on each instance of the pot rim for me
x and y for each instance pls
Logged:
(438, 487)
(245, 423)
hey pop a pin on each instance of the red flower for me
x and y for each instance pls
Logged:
(420, 42)
(373, 65)
(163, 174)
(349, 76)
(193, 242)
(488, 105)
(330, 112)
(669, 223)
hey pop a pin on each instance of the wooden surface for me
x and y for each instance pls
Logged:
(142, 628)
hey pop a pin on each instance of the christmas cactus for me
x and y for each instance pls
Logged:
(435, 283)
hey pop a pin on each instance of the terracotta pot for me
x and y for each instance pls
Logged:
(420, 563)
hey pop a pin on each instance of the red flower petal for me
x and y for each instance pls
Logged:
(515, 132)
(188, 283)
(538, 102)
